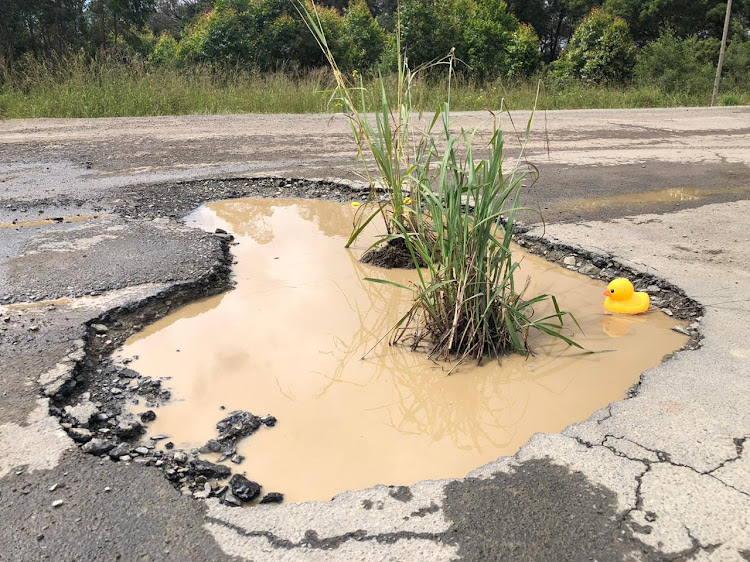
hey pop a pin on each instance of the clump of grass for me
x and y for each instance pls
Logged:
(467, 304)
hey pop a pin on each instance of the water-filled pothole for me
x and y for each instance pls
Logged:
(289, 341)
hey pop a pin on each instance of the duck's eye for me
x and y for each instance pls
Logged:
(611, 290)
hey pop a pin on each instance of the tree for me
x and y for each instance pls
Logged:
(647, 19)
(367, 37)
(429, 30)
(553, 20)
(488, 33)
(674, 64)
(601, 50)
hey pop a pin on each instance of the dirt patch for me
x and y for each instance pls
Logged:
(391, 255)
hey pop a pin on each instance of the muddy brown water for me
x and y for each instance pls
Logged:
(645, 198)
(44, 222)
(290, 338)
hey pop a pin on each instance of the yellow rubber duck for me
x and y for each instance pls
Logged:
(622, 298)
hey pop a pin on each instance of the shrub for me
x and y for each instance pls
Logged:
(429, 30)
(488, 34)
(737, 65)
(524, 56)
(600, 51)
(165, 51)
(675, 65)
(367, 37)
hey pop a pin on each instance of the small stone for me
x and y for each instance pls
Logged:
(650, 517)
(231, 501)
(180, 457)
(589, 269)
(98, 446)
(268, 421)
(237, 459)
(203, 494)
(116, 390)
(209, 469)
(83, 412)
(158, 437)
(667, 312)
(80, 434)
(569, 260)
(219, 491)
(273, 497)
(141, 450)
(653, 289)
(128, 426)
(680, 330)
(244, 489)
(107, 489)
(213, 446)
(33, 328)
(148, 416)
(125, 458)
(100, 328)
(169, 445)
(57, 503)
(53, 487)
(119, 451)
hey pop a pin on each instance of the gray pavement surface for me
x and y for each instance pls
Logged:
(661, 476)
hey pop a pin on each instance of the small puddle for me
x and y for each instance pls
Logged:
(670, 195)
(289, 341)
(44, 222)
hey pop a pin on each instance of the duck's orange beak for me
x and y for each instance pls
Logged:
(606, 293)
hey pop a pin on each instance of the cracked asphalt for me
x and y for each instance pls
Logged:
(664, 475)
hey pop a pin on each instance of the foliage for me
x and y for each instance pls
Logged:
(675, 65)
(648, 19)
(165, 51)
(429, 30)
(553, 20)
(688, 65)
(367, 37)
(488, 33)
(737, 65)
(601, 50)
(524, 58)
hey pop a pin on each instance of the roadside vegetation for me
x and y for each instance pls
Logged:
(68, 58)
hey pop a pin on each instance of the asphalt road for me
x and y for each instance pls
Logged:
(660, 476)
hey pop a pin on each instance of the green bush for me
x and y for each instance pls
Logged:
(488, 33)
(737, 65)
(675, 65)
(600, 51)
(262, 34)
(367, 37)
(524, 56)
(429, 30)
(165, 51)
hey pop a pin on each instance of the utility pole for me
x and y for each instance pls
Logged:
(721, 53)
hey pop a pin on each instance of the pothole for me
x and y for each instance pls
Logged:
(290, 339)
